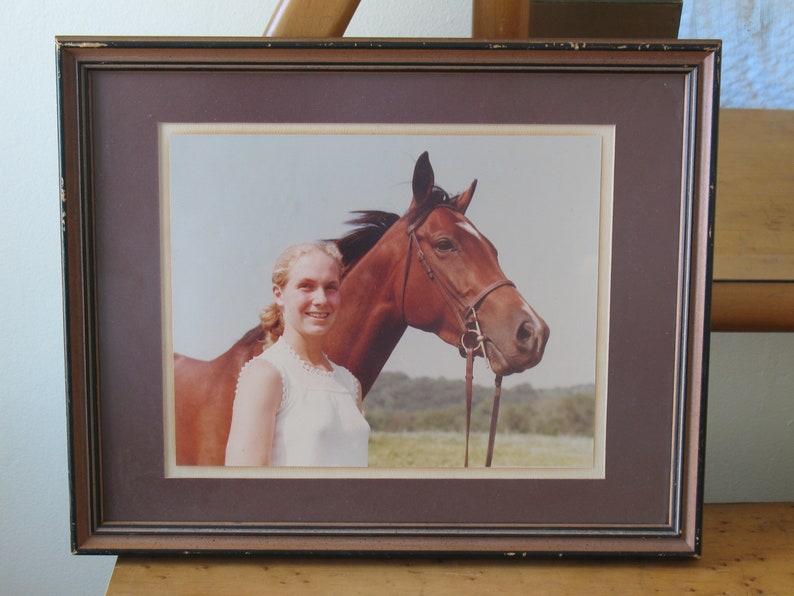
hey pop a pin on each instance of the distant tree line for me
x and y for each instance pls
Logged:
(398, 402)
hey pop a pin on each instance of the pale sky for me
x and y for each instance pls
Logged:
(239, 196)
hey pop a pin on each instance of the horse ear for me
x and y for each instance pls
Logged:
(424, 179)
(462, 201)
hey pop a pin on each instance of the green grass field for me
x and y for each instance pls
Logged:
(446, 449)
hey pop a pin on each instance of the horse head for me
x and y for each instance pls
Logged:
(454, 286)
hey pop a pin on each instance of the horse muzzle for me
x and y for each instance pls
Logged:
(523, 351)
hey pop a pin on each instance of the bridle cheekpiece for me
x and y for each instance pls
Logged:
(472, 339)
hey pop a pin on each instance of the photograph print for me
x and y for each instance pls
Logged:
(477, 252)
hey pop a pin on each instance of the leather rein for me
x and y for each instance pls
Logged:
(472, 339)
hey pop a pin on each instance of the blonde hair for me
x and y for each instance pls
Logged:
(271, 316)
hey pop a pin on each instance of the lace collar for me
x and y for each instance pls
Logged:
(310, 368)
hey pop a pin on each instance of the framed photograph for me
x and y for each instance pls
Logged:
(525, 232)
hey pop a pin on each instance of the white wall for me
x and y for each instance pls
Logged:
(751, 423)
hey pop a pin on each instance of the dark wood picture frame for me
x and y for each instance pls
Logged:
(662, 99)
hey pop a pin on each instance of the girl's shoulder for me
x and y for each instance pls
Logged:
(260, 379)
(260, 368)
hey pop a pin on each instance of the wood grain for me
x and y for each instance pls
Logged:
(500, 19)
(748, 548)
(753, 286)
(311, 18)
(752, 306)
(754, 227)
(574, 19)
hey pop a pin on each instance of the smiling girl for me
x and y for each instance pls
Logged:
(293, 406)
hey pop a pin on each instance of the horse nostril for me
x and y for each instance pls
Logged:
(525, 333)
(532, 335)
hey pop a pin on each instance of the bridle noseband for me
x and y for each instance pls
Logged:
(472, 339)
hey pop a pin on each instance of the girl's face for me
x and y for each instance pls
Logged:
(310, 298)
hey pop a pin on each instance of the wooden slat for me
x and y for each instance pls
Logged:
(500, 19)
(574, 19)
(752, 306)
(311, 18)
(747, 549)
(753, 286)
(754, 228)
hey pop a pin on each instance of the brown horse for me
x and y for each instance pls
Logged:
(430, 269)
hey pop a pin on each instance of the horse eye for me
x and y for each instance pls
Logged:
(444, 245)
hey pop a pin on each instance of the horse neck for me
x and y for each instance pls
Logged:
(249, 345)
(370, 322)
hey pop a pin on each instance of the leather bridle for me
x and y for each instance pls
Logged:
(472, 339)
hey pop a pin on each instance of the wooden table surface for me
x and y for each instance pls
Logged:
(747, 549)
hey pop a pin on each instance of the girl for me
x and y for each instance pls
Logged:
(293, 406)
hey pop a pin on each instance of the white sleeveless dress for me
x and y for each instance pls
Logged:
(318, 422)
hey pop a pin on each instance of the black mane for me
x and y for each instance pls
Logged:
(372, 225)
